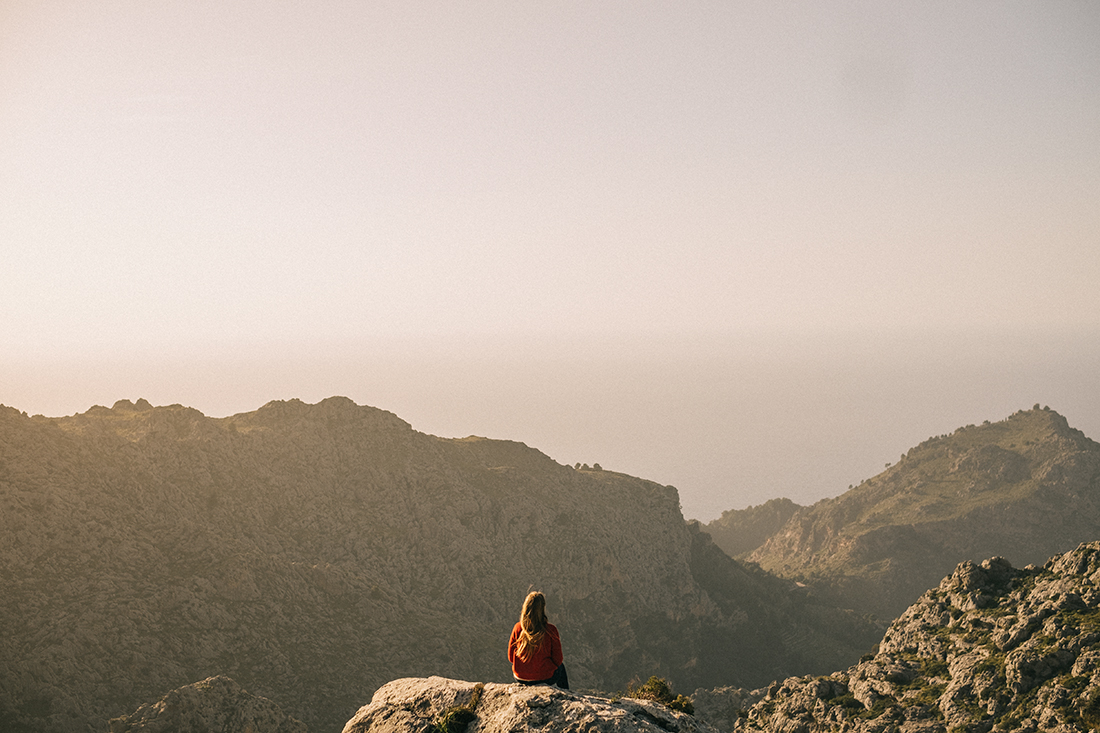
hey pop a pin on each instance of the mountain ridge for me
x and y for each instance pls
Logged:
(313, 551)
(1026, 488)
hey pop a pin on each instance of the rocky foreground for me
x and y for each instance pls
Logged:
(420, 705)
(992, 648)
(412, 705)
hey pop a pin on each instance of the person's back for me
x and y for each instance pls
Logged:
(534, 648)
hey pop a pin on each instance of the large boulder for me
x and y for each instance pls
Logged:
(418, 705)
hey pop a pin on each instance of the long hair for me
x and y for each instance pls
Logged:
(532, 620)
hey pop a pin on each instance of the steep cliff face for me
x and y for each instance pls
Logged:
(314, 552)
(991, 648)
(1025, 488)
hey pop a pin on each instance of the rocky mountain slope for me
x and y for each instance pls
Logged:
(1025, 488)
(315, 552)
(991, 648)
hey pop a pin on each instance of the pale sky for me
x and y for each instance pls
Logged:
(747, 249)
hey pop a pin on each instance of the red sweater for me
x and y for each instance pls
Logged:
(541, 664)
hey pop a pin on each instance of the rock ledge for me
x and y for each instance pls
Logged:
(411, 705)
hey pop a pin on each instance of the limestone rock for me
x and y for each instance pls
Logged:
(991, 648)
(412, 706)
(214, 705)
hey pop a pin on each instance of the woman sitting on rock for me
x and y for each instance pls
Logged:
(535, 647)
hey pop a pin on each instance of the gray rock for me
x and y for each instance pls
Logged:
(1026, 658)
(413, 705)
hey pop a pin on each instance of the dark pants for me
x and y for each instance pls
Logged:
(559, 679)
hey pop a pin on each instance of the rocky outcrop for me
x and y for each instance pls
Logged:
(312, 552)
(214, 705)
(418, 705)
(1025, 488)
(991, 648)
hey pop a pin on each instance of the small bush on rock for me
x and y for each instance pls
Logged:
(657, 689)
(455, 720)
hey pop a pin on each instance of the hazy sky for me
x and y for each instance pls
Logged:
(747, 249)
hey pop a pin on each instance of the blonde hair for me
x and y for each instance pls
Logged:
(532, 621)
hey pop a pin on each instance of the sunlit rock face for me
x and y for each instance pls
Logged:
(415, 705)
(992, 647)
(315, 552)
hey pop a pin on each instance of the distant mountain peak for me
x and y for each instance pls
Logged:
(336, 408)
(126, 406)
(1025, 487)
(1016, 432)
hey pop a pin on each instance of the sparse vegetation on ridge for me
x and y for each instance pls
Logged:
(1027, 487)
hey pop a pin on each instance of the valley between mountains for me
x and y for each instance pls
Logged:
(313, 553)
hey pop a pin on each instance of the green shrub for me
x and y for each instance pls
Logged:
(1090, 710)
(935, 668)
(455, 720)
(930, 695)
(657, 689)
(877, 708)
(994, 663)
(857, 709)
(848, 701)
